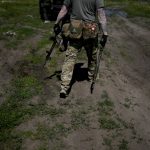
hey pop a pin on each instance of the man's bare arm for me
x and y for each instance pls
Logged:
(61, 14)
(102, 20)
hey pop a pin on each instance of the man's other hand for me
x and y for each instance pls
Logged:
(103, 40)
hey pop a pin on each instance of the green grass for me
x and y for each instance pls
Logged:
(123, 145)
(14, 13)
(108, 123)
(132, 7)
(21, 33)
(115, 126)
(51, 111)
(33, 59)
(17, 109)
(20, 17)
(105, 106)
(79, 119)
(138, 9)
(18, 116)
(14, 142)
(17, 9)
(107, 142)
(59, 145)
(51, 133)
(56, 145)
(44, 42)
(13, 110)
(107, 119)
(25, 87)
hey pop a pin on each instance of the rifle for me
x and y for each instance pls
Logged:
(98, 58)
(56, 40)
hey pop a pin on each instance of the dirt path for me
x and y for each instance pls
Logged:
(115, 116)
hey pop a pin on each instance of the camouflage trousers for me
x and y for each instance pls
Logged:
(90, 46)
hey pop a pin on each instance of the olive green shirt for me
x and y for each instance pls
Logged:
(84, 9)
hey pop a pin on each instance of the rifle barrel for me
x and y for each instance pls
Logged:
(98, 58)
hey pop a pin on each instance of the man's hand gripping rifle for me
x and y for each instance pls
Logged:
(56, 41)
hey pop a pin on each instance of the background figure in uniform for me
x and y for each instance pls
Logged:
(82, 31)
(45, 10)
(49, 10)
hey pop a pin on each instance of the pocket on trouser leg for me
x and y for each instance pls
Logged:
(68, 66)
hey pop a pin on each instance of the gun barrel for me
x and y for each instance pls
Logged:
(98, 58)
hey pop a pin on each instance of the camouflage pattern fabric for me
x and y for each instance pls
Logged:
(90, 30)
(75, 28)
(65, 30)
(90, 46)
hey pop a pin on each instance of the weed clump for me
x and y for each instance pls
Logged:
(105, 108)
(13, 111)
(79, 119)
(52, 133)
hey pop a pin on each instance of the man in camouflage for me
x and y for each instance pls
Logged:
(82, 32)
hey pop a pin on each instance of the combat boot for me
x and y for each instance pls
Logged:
(63, 93)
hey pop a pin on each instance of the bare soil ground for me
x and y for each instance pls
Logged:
(114, 117)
